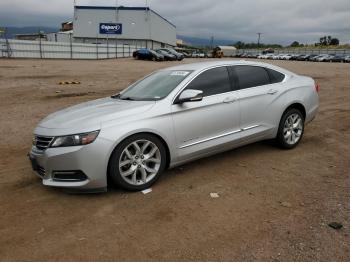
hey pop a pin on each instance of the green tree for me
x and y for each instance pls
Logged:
(295, 44)
(334, 41)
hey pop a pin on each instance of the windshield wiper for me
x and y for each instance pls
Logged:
(126, 98)
(115, 96)
(118, 96)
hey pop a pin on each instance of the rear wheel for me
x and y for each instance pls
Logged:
(137, 162)
(291, 129)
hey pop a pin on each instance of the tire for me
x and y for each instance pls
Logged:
(137, 57)
(288, 126)
(153, 59)
(135, 169)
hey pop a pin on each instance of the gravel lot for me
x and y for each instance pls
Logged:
(274, 205)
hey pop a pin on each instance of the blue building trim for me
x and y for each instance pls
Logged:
(122, 8)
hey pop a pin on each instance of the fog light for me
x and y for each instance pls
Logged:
(69, 176)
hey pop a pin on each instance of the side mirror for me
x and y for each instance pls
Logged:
(189, 95)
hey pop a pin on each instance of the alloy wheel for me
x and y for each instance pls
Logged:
(139, 162)
(293, 129)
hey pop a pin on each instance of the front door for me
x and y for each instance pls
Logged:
(204, 126)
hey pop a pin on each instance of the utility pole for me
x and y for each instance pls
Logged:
(259, 35)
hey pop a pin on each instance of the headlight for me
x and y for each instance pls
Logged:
(75, 140)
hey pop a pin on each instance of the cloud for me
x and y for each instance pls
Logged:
(280, 21)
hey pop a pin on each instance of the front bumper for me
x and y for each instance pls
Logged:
(89, 163)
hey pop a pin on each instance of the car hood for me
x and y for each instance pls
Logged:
(93, 113)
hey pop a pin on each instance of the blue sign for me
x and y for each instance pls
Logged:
(111, 28)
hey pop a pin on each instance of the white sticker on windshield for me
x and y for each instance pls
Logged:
(179, 73)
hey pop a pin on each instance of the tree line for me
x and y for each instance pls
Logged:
(324, 41)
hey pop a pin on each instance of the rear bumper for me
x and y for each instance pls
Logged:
(311, 114)
(86, 164)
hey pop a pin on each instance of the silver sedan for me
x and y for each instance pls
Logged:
(170, 117)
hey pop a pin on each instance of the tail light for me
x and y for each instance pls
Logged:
(317, 87)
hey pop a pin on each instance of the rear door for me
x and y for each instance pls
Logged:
(203, 126)
(259, 99)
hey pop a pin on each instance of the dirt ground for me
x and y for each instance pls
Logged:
(274, 205)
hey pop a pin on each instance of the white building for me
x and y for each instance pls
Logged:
(228, 51)
(139, 26)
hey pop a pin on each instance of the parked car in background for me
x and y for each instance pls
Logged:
(286, 57)
(171, 117)
(269, 56)
(302, 57)
(167, 56)
(346, 59)
(275, 56)
(311, 57)
(209, 54)
(295, 57)
(185, 54)
(198, 54)
(315, 57)
(323, 58)
(334, 58)
(178, 55)
(147, 54)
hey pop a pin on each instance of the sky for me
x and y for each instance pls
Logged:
(279, 21)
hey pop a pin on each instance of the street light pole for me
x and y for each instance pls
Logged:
(259, 35)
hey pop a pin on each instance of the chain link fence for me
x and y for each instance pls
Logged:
(11, 48)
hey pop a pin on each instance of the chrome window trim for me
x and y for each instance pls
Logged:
(195, 76)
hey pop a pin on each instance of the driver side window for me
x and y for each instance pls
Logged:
(211, 82)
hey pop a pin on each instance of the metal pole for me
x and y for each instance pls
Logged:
(116, 48)
(123, 50)
(96, 49)
(71, 45)
(129, 51)
(107, 48)
(40, 50)
(259, 35)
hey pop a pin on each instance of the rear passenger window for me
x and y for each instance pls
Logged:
(275, 77)
(211, 82)
(250, 76)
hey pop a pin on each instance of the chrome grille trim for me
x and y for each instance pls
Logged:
(42, 142)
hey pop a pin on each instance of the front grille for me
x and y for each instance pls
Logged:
(41, 171)
(42, 142)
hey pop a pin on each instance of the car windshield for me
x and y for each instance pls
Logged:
(155, 86)
(172, 51)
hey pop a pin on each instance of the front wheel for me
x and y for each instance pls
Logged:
(291, 129)
(137, 162)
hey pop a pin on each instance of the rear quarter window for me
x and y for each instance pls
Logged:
(275, 77)
(251, 76)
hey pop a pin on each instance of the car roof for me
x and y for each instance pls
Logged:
(208, 64)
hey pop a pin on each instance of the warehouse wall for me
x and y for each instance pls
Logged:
(137, 24)
(62, 50)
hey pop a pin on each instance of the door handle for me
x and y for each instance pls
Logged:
(272, 92)
(230, 99)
